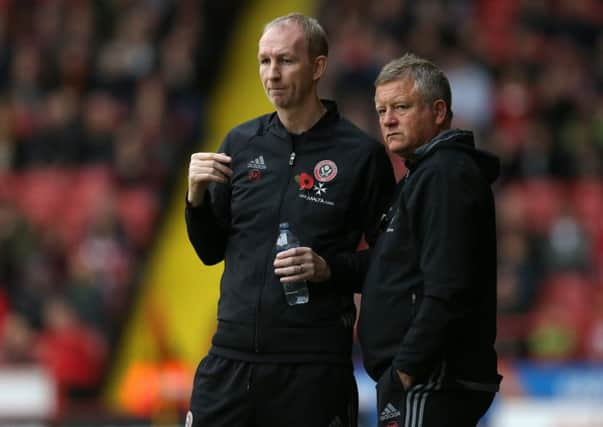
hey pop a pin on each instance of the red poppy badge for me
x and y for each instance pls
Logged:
(254, 174)
(305, 181)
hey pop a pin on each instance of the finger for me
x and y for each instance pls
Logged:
(288, 261)
(287, 254)
(220, 157)
(301, 250)
(204, 170)
(199, 177)
(288, 271)
(210, 165)
(296, 272)
(200, 170)
(294, 269)
(225, 158)
(222, 168)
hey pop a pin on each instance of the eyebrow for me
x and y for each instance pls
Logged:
(281, 53)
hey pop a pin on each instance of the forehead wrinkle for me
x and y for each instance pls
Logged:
(392, 91)
(275, 51)
(275, 45)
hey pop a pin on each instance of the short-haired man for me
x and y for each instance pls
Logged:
(272, 364)
(428, 314)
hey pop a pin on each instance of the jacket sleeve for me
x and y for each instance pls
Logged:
(208, 225)
(442, 206)
(377, 183)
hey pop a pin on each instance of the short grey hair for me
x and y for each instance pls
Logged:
(430, 80)
(316, 37)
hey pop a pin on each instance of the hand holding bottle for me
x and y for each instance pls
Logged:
(301, 263)
(297, 264)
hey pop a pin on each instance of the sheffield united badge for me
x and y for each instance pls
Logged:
(325, 171)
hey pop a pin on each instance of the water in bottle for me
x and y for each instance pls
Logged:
(297, 292)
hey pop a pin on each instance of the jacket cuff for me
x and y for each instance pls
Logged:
(201, 212)
(414, 370)
(344, 271)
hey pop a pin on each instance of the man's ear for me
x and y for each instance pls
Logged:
(441, 111)
(319, 68)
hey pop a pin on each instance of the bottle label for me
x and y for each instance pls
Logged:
(282, 240)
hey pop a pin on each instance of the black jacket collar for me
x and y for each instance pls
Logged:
(321, 127)
(460, 140)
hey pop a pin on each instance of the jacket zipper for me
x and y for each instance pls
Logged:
(414, 300)
(268, 262)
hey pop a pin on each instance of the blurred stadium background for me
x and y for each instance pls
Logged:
(104, 309)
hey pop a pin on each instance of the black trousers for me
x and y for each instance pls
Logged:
(234, 393)
(428, 404)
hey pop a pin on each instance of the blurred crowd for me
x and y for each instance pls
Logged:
(99, 102)
(527, 78)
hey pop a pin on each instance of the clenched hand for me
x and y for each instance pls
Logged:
(203, 169)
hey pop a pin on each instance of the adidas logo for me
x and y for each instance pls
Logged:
(389, 412)
(257, 163)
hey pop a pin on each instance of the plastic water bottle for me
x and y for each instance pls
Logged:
(296, 292)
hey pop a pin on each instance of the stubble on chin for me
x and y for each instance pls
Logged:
(398, 148)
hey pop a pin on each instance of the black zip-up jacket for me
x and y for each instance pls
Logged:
(330, 184)
(429, 299)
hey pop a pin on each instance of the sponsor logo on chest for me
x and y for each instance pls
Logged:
(257, 163)
(314, 188)
(256, 166)
(325, 171)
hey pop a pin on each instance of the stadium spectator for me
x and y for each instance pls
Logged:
(85, 88)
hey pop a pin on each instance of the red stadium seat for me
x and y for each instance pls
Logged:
(8, 186)
(42, 194)
(586, 197)
(510, 205)
(571, 289)
(543, 200)
(89, 185)
(138, 208)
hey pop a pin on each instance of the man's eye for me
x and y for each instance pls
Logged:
(401, 107)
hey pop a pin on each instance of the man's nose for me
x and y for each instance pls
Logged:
(273, 71)
(389, 119)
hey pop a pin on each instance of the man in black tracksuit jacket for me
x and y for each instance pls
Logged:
(428, 312)
(272, 364)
